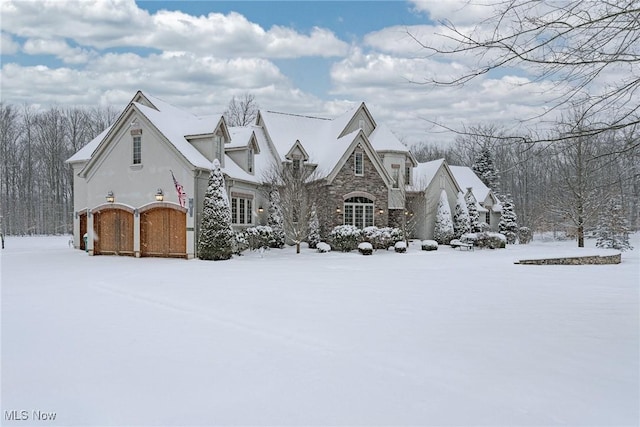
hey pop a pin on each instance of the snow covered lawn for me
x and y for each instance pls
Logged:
(444, 337)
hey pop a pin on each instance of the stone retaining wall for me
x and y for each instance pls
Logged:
(581, 260)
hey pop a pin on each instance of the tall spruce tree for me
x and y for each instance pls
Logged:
(276, 220)
(443, 229)
(461, 221)
(508, 220)
(216, 233)
(613, 229)
(314, 228)
(484, 167)
(474, 215)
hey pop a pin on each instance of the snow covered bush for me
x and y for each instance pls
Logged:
(474, 215)
(258, 237)
(443, 229)
(491, 240)
(323, 247)
(382, 238)
(314, 228)
(217, 238)
(461, 221)
(469, 238)
(345, 238)
(400, 247)
(240, 244)
(484, 227)
(365, 248)
(524, 235)
(276, 220)
(429, 245)
(508, 221)
(613, 230)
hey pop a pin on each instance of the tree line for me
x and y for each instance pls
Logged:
(36, 186)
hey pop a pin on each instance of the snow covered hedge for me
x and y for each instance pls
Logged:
(382, 238)
(400, 247)
(323, 247)
(257, 237)
(429, 245)
(346, 238)
(524, 235)
(365, 248)
(489, 240)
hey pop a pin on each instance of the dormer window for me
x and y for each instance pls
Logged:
(358, 164)
(250, 160)
(396, 175)
(295, 166)
(219, 148)
(407, 174)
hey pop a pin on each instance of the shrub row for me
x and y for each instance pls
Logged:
(346, 238)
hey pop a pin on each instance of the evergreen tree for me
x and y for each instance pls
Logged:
(484, 167)
(508, 220)
(461, 221)
(443, 230)
(276, 220)
(216, 234)
(314, 228)
(474, 215)
(613, 229)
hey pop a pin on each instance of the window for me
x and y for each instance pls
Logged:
(396, 175)
(358, 211)
(407, 175)
(219, 148)
(250, 161)
(487, 218)
(296, 167)
(358, 164)
(137, 149)
(241, 209)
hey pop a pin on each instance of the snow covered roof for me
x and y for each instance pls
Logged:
(424, 173)
(466, 177)
(84, 154)
(382, 139)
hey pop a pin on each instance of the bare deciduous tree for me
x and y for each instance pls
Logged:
(241, 111)
(574, 44)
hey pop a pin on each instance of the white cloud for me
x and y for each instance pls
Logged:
(460, 12)
(7, 45)
(120, 23)
(58, 48)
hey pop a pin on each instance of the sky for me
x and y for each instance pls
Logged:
(303, 57)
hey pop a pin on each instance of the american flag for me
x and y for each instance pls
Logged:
(182, 196)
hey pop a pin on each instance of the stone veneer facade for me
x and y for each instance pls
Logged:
(332, 196)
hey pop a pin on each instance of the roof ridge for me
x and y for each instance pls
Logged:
(297, 115)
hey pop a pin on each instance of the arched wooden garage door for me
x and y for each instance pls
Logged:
(113, 232)
(163, 232)
(83, 229)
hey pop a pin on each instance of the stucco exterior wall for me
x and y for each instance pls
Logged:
(441, 181)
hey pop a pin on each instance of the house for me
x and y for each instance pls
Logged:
(139, 186)
(126, 180)
(488, 204)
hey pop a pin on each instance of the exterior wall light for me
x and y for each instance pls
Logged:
(381, 211)
(159, 195)
(110, 197)
(260, 209)
(338, 210)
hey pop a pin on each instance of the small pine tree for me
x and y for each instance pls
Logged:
(474, 215)
(484, 167)
(443, 229)
(314, 228)
(508, 220)
(613, 229)
(216, 233)
(276, 220)
(461, 220)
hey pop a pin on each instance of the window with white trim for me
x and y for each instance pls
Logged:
(358, 211)
(250, 160)
(137, 150)
(358, 163)
(241, 210)
(395, 174)
(407, 175)
(487, 218)
(219, 148)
